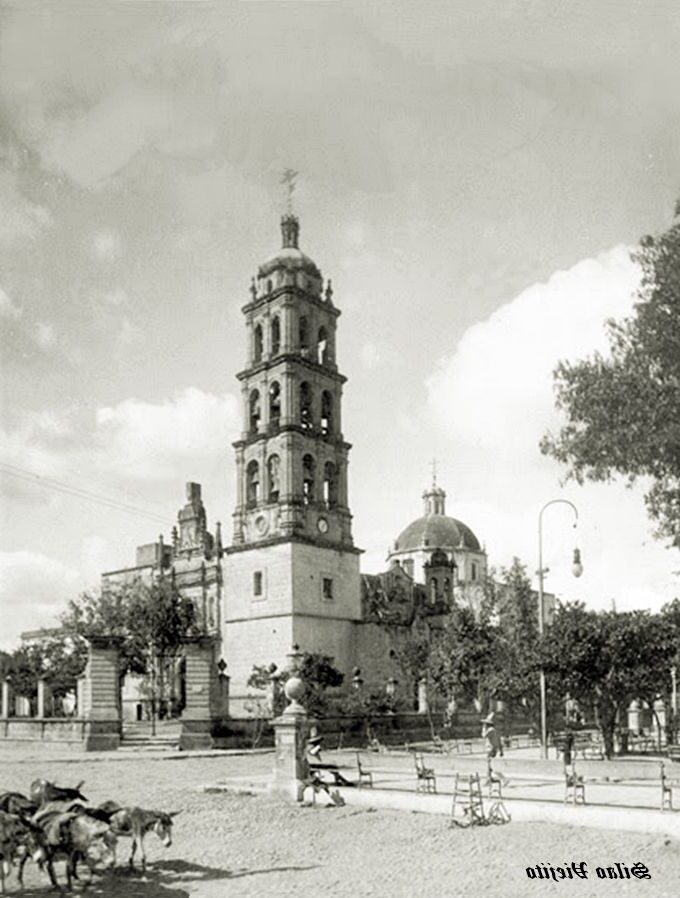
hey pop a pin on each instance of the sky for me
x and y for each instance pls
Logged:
(473, 177)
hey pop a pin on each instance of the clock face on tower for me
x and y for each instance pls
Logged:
(322, 525)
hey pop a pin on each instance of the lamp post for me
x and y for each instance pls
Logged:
(577, 570)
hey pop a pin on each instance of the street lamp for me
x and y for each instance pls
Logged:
(577, 570)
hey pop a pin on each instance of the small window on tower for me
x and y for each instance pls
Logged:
(257, 584)
(473, 572)
(258, 344)
(276, 335)
(327, 590)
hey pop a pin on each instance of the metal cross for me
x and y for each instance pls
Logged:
(288, 178)
(433, 465)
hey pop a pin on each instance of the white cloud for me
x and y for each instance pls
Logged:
(20, 218)
(494, 399)
(8, 308)
(498, 384)
(33, 591)
(45, 336)
(144, 439)
(106, 245)
(371, 355)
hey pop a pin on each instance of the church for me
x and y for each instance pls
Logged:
(291, 574)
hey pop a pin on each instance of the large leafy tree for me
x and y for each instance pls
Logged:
(461, 664)
(516, 661)
(152, 619)
(623, 409)
(607, 659)
(58, 660)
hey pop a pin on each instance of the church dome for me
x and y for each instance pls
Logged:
(291, 258)
(436, 531)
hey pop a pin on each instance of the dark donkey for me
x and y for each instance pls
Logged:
(136, 823)
(44, 792)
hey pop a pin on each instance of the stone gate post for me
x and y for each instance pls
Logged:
(5, 697)
(199, 717)
(100, 694)
(42, 689)
(290, 763)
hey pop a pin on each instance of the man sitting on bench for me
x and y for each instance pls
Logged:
(316, 765)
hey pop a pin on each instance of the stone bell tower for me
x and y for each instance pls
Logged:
(292, 572)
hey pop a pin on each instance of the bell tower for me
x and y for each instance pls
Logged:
(292, 570)
(291, 459)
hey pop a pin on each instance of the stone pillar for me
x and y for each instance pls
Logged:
(100, 693)
(81, 707)
(5, 697)
(198, 717)
(290, 764)
(422, 697)
(42, 689)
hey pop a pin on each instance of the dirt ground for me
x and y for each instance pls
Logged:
(237, 845)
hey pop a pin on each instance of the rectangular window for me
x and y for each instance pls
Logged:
(257, 584)
(474, 571)
(327, 588)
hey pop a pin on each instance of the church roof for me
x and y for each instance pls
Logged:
(291, 258)
(436, 531)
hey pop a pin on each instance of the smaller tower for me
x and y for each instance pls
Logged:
(440, 578)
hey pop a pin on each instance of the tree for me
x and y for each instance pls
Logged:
(516, 661)
(58, 660)
(622, 410)
(318, 674)
(608, 659)
(153, 619)
(461, 661)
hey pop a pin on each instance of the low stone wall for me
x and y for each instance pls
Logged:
(70, 731)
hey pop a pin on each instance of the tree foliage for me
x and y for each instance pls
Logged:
(59, 661)
(153, 620)
(609, 659)
(316, 671)
(622, 410)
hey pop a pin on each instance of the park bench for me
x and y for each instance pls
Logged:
(316, 769)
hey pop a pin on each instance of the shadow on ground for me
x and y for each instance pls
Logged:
(164, 879)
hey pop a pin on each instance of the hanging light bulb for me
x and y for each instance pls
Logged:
(576, 565)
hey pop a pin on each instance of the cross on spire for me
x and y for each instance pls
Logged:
(433, 465)
(288, 179)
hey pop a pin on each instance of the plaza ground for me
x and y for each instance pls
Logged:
(236, 845)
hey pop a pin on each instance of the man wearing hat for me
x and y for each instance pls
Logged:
(316, 764)
(494, 744)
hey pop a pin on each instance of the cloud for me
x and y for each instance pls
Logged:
(8, 308)
(158, 440)
(20, 218)
(33, 591)
(134, 439)
(498, 383)
(45, 336)
(494, 400)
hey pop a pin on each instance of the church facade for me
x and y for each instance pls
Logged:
(291, 575)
